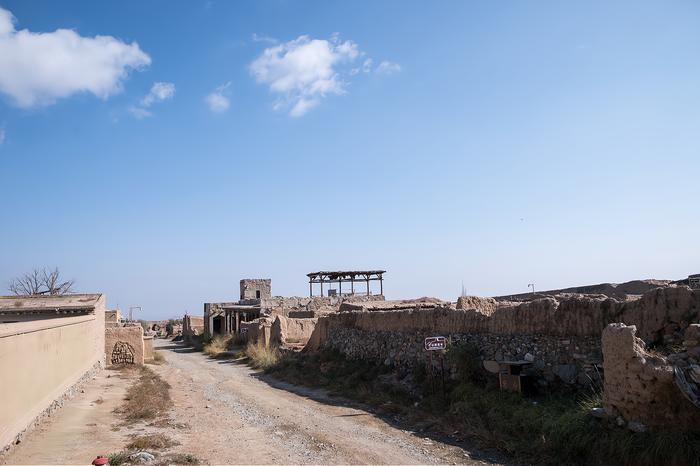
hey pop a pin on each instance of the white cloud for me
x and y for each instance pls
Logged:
(217, 101)
(365, 68)
(158, 93)
(264, 38)
(139, 112)
(304, 70)
(38, 68)
(387, 67)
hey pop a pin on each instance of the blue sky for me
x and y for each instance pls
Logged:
(500, 144)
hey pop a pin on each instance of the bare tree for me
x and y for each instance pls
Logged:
(41, 282)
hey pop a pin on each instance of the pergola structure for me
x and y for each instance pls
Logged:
(351, 277)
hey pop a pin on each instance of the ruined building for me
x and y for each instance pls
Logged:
(226, 318)
(257, 309)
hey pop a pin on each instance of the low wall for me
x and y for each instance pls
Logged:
(124, 345)
(41, 362)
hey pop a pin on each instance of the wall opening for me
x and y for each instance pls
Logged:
(217, 322)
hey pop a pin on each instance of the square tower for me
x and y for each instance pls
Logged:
(256, 288)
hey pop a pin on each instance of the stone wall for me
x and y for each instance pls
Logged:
(561, 337)
(572, 361)
(124, 345)
(640, 386)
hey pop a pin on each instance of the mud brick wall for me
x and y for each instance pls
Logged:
(640, 386)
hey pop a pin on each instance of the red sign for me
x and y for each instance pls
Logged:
(435, 343)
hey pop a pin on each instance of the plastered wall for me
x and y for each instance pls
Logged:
(40, 361)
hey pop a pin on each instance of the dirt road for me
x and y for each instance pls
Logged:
(237, 417)
(225, 413)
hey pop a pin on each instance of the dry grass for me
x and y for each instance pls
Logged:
(147, 398)
(262, 357)
(177, 458)
(217, 345)
(158, 359)
(151, 442)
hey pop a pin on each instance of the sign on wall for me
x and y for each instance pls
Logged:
(435, 343)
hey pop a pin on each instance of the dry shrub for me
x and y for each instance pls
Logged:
(151, 442)
(262, 357)
(217, 345)
(147, 398)
(177, 458)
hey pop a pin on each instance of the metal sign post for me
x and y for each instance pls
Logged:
(439, 344)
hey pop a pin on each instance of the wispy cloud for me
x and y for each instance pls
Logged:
(264, 38)
(159, 92)
(39, 68)
(387, 67)
(304, 70)
(217, 100)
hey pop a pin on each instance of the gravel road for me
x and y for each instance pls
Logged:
(237, 416)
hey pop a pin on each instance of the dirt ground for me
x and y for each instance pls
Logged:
(226, 413)
(82, 429)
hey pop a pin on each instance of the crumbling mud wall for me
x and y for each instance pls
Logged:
(124, 345)
(257, 331)
(287, 331)
(192, 326)
(640, 386)
(301, 307)
(561, 337)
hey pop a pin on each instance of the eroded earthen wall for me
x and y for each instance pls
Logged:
(639, 385)
(292, 331)
(561, 337)
(124, 345)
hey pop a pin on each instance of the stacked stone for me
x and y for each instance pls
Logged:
(573, 361)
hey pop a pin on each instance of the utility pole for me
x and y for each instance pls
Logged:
(131, 312)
